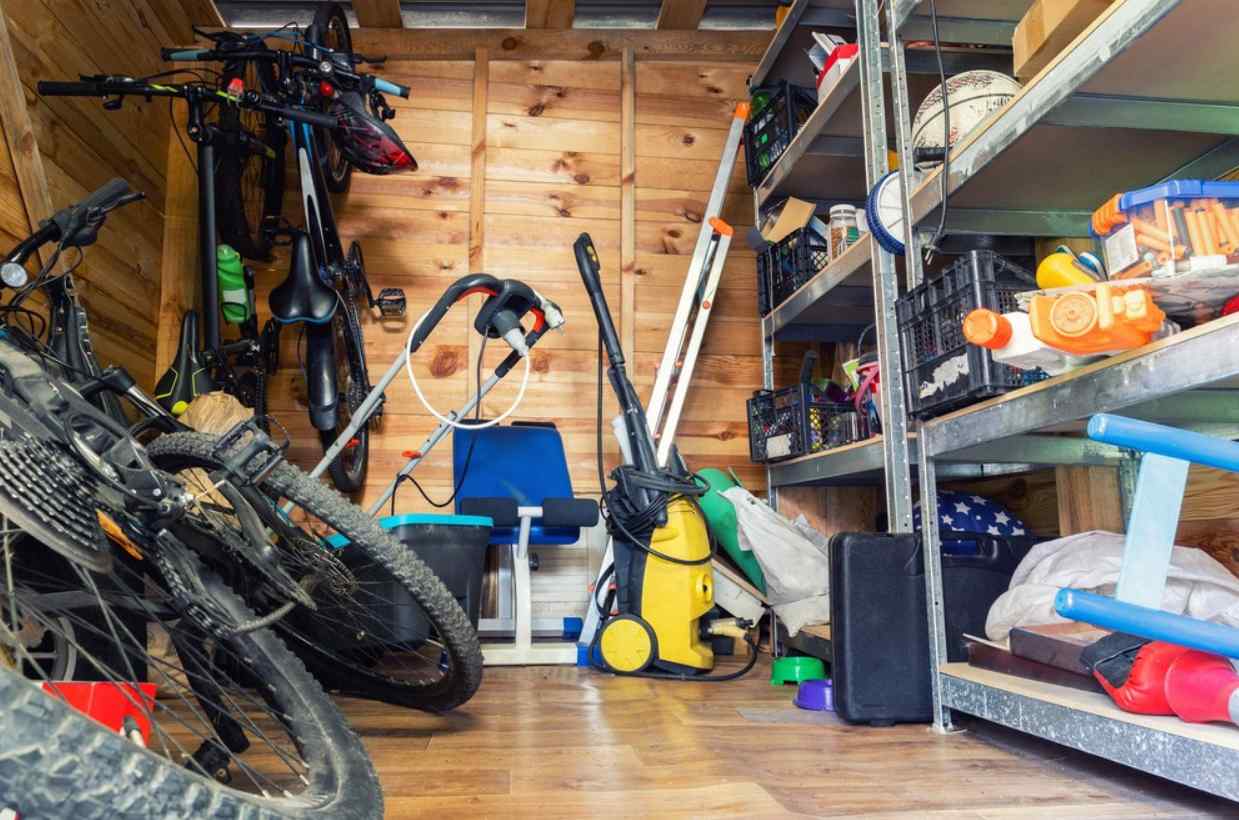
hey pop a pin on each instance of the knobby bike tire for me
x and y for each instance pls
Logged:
(55, 762)
(238, 226)
(179, 451)
(349, 469)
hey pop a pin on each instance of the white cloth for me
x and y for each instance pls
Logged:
(793, 557)
(1197, 585)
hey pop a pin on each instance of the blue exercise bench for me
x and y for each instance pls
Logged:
(518, 476)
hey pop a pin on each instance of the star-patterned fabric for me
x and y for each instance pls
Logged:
(960, 512)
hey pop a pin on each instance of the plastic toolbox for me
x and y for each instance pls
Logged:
(783, 267)
(798, 420)
(775, 115)
(1175, 227)
(942, 371)
(879, 627)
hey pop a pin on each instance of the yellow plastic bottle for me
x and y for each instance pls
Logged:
(1059, 270)
(1104, 320)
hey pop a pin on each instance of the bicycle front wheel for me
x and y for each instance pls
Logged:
(385, 627)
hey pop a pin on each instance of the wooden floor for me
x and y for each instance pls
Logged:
(565, 742)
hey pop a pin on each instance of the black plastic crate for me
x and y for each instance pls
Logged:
(784, 266)
(798, 420)
(942, 371)
(776, 115)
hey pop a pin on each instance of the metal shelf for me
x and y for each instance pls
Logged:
(1136, 383)
(1097, 120)
(1205, 757)
(862, 462)
(962, 21)
(835, 305)
(785, 56)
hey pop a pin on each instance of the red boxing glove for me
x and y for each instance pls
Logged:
(1201, 687)
(1133, 671)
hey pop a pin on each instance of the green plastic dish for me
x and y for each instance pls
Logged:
(721, 519)
(796, 670)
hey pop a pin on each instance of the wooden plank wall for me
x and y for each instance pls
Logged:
(84, 146)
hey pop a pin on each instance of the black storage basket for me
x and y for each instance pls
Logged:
(798, 420)
(942, 371)
(784, 266)
(771, 127)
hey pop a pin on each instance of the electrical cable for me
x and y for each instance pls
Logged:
(473, 440)
(946, 126)
(408, 366)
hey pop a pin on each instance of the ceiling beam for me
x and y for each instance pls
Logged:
(378, 13)
(681, 14)
(571, 44)
(549, 13)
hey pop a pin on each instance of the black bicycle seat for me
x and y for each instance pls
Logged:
(302, 296)
(186, 379)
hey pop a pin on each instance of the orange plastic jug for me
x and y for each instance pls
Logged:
(1102, 320)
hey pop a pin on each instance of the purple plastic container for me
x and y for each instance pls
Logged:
(816, 695)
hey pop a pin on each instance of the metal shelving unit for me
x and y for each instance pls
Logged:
(837, 156)
(1106, 115)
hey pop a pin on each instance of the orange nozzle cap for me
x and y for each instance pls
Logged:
(721, 227)
(985, 328)
(742, 111)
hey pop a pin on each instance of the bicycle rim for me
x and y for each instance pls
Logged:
(385, 627)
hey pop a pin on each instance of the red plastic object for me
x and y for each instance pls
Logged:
(1144, 690)
(1199, 687)
(1231, 306)
(236, 86)
(840, 53)
(109, 703)
(326, 89)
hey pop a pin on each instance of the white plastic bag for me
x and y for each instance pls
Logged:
(796, 567)
(1197, 585)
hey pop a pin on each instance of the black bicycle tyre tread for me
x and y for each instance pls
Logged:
(350, 480)
(451, 622)
(230, 217)
(322, 20)
(345, 480)
(56, 762)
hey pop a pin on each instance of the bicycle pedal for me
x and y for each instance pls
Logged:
(391, 303)
(254, 459)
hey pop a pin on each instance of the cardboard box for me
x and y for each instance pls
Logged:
(1047, 28)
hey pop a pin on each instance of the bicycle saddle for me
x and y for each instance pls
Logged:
(186, 379)
(302, 296)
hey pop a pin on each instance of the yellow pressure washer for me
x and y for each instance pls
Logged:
(654, 621)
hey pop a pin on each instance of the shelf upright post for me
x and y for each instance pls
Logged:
(767, 383)
(931, 552)
(885, 279)
(903, 143)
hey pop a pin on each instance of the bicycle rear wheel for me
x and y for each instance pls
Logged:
(385, 628)
(237, 728)
(249, 179)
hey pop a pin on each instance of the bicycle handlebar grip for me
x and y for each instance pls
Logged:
(107, 194)
(184, 54)
(388, 87)
(58, 88)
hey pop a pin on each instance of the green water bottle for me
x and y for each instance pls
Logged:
(234, 296)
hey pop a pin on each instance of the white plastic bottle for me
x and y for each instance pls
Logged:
(1010, 339)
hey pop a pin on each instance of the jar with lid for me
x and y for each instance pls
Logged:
(844, 231)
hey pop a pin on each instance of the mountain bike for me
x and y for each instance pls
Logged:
(326, 284)
(110, 574)
(369, 619)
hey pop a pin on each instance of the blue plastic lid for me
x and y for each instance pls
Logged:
(1180, 189)
(392, 521)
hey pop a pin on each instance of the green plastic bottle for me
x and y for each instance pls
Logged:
(234, 296)
(721, 518)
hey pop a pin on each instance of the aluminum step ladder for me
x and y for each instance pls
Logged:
(692, 314)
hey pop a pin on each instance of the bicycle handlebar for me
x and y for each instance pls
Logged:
(223, 55)
(121, 86)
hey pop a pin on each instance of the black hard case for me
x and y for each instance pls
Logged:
(879, 628)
